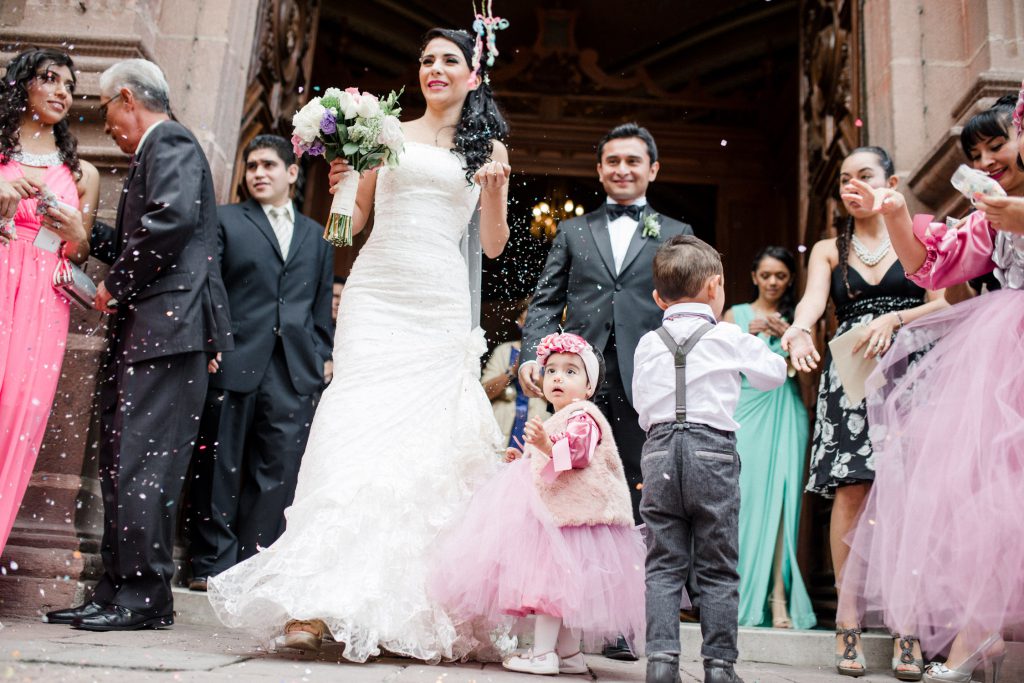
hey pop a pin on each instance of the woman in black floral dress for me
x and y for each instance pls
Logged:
(861, 273)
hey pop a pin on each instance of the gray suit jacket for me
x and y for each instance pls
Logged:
(163, 253)
(579, 278)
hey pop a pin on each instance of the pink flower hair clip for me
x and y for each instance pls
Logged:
(1018, 112)
(486, 26)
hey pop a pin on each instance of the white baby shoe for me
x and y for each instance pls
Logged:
(528, 663)
(573, 664)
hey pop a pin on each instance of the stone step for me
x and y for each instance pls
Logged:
(787, 647)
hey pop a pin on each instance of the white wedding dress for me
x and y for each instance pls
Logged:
(401, 437)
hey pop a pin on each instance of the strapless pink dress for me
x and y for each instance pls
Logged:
(33, 334)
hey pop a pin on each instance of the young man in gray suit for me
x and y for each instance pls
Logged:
(169, 315)
(279, 274)
(599, 272)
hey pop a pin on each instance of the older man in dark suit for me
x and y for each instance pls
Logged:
(169, 316)
(279, 274)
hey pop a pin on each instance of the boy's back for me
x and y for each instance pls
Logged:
(713, 369)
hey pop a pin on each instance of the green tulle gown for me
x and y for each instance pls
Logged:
(772, 442)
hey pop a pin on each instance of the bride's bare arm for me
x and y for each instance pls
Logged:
(492, 178)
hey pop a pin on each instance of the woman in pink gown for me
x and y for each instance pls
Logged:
(938, 549)
(37, 153)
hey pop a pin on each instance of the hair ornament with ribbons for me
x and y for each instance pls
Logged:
(486, 26)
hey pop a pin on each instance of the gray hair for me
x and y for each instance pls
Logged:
(143, 78)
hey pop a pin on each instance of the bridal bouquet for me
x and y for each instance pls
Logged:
(355, 126)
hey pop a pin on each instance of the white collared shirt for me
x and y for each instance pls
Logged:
(142, 140)
(713, 369)
(283, 226)
(620, 231)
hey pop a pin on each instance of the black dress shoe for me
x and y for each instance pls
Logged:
(619, 650)
(663, 668)
(66, 616)
(198, 584)
(720, 671)
(117, 618)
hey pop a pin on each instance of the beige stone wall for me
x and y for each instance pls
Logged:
(929, 66)
(204, 47)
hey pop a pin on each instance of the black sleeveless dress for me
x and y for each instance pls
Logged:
(841, 451)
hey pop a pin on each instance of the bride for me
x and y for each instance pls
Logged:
(404, 431)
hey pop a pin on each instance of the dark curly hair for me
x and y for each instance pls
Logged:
(844, 231)
(14, 100)
(481, 120)
(787, 303)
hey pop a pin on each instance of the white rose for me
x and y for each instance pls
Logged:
(391, 134)
(368, 106)
(332, 92)
(348, 105)
(307, 120)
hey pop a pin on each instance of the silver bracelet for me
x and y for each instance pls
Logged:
(900, 318)
(803, 329)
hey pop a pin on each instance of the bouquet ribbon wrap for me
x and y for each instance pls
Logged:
(339, 225)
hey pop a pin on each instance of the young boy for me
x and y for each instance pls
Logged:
(686, 384)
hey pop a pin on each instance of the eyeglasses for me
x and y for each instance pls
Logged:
(103, 107)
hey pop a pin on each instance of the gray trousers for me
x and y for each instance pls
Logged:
(691, 493)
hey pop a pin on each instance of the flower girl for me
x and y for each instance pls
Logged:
(552, 534)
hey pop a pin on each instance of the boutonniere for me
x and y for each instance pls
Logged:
(652, 228)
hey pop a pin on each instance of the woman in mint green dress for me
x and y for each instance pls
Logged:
(772, 443)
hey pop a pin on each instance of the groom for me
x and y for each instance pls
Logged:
(599, 272)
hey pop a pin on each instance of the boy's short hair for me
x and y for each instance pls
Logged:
(682, 265)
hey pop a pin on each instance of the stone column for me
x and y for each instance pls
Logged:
(930, 66)
(205, 49)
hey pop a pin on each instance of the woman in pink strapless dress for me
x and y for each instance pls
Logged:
(36, 151)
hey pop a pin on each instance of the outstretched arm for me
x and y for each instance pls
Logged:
(798, 340)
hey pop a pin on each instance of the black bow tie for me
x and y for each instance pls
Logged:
(620, 210)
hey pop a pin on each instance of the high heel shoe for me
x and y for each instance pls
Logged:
(851, 639)
(906, 658)
(782, 621)
(303, 634)
(940, 673)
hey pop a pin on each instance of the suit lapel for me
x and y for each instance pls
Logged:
(133, 164)
(299, 231)
(598, 222)
(255, 213)
(637, 242)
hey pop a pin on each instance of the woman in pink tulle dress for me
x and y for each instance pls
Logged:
(37, 153)
(938, 549)
(552, 534)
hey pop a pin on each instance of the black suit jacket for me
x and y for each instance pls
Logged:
(163, 250)
(271, 298)
(579, 277)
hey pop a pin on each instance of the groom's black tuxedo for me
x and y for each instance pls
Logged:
(609, 309)
(261, 400)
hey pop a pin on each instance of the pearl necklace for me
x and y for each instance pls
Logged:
(38, 160)
(870, 258)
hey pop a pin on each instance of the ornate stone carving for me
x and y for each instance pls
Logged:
(280, 71)
(831, 109)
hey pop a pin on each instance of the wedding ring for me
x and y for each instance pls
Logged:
(808, 358)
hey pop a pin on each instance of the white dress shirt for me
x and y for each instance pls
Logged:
(142, 140)
(621, 232)
(713, 369)
(282, 220)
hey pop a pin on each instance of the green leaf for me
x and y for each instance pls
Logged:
(350, 148)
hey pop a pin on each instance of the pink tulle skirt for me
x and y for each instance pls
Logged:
(506, 558)
(939, 547)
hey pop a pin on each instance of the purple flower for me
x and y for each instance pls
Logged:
(316, 149)
(329, 124)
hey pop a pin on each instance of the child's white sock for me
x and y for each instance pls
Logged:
(568, 642)
(545, 633)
